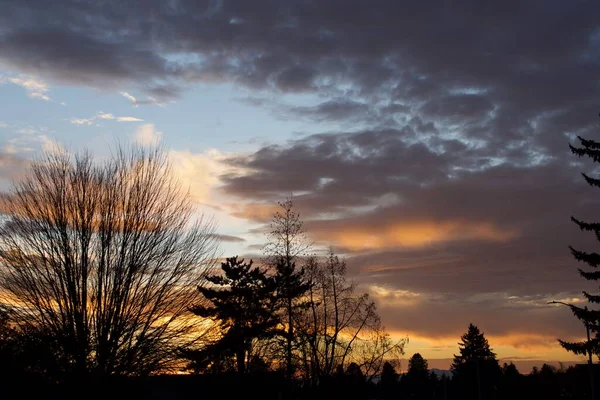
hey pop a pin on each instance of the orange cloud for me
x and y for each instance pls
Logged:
(258, 212)
(513, 345)
(416, 234)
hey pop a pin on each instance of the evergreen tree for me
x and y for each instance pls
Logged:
(389, 381)
(589, 317)
(510, 371)
(242, 301)
(417, 365)
(416, 380)
(475, 370)
(389, 376)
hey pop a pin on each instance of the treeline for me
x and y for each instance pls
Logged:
(476, 374)
(110, 284)
(106, 272)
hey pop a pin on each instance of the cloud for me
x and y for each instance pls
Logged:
(228, 238)
(447, 144)
(11, 168)
(104, 116)
(129, 97)
(164, 95)
(147, 135)
(454, 232)
(129, 119)
(413, 234)
(199, 172)
(36, 88)
(81, 121)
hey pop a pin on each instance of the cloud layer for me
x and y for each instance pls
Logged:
(444, 171)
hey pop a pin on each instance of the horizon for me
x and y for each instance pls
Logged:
(427, 145)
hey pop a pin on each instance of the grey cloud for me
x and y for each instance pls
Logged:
(342, 179)
(335, 110)
(228, 238)
(540, 55)
(458, 107)
(461, 113)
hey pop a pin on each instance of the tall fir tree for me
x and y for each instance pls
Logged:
(242, 300)
(475, 369)
(589, 317)
(416, 380)
(388, 382)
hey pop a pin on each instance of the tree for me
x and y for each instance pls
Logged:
(510, 371)
(341, 326)
(475, 369)
(417, 365)
(416, 380)
(389, 381)
(287, 243)
(589, 317)
(241, 303)
(99, 262)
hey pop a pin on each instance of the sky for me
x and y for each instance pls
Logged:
(427, 142)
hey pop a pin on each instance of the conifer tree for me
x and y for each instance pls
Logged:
(242, 301)
(417, 365)
(475, 370)
(589, 317)
(389, 381)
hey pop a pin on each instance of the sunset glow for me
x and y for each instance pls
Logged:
(428, 146)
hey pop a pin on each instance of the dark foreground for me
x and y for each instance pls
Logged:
(573, 383)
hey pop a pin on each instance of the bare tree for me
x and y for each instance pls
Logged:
(341, 327)
(101, 261)
(287, 245)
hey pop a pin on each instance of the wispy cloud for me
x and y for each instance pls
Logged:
(129, 119)
(31, 138)
(81, 121)
(36, 88)
(137, 102)
(104, 116)
(27, 131)
(129, 97)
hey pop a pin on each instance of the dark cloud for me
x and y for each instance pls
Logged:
(453, 176)
(335, 110)
(543, 54)
(483, 229)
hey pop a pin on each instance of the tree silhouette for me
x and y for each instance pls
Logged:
(241, 300)
(389, 381)
(341, 326)
(287, 243)
(417, 365)
(416, 380)
(100, 262)
(589, 317)
(475, 370)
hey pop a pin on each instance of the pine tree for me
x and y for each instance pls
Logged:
(389, 376)
(589, 317)
(416, 379)
(417, 365)
(475, 370)
(389, 381)
(242, 301)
